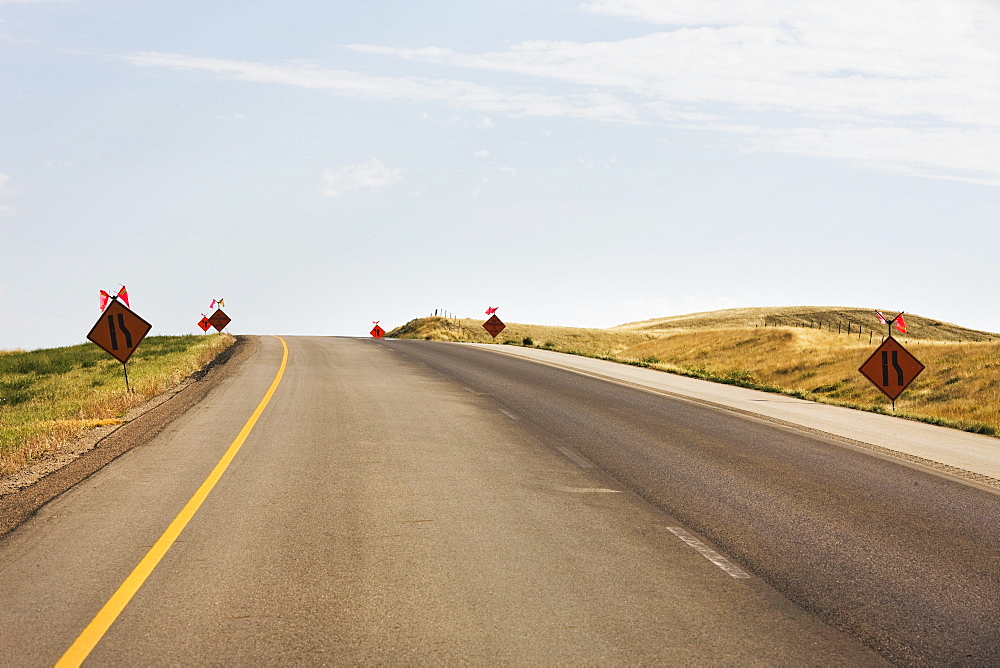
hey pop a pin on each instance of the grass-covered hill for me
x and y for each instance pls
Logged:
(828, 318)
(810, 352)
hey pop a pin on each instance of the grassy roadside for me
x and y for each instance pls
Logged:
(959, 389)
(48, 397)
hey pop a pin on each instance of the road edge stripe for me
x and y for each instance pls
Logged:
(95, 630)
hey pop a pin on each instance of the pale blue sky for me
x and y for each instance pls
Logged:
(321, 165)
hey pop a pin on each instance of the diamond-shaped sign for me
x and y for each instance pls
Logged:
(891, 368)
(119, 331)
(494, 326)
(219, 320)
(204, 324)
(378, 332)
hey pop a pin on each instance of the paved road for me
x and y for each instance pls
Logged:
(972, 457)
(404, 501)
(902, 558)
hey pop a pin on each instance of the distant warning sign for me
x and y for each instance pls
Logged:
(119, 331)
(891, 368)
(494, 326)
(204, 324)
(377, 332)
(219, 320)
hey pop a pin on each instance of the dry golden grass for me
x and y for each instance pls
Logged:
(49, 397)
(825, 318)
(960, 383)
(959, 388)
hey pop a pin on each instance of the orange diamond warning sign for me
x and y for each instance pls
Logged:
(891, 368)
(494, 326)
(378, 332)
(219, 320)
(119, 331)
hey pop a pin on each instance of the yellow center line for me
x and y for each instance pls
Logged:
(88, 639)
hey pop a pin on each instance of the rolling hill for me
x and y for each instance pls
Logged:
(828, 318)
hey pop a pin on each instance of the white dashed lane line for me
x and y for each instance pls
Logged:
(577, 459)
(709, 553)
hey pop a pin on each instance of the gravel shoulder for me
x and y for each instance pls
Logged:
(23, 493)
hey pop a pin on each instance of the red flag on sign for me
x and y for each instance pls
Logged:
(123, 294)
(900, 324)
(881, 317)
(490, 310)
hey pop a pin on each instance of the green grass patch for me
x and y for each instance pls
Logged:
(50, 396)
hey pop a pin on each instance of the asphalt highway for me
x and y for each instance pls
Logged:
(904, 559)
(423, 503)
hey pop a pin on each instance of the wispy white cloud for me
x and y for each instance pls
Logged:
(905, 86)
(482, 153)
(591, 105)
(478, 189)
(896, 75)
(371, 175)
(950, 153)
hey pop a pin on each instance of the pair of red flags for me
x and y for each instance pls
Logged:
(490, 310)
(898, 322)
(122, 294)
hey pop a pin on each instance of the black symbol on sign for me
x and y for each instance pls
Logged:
(895, 365)
(114, 335)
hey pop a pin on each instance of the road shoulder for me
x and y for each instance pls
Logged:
(972, 458)
(22, 494)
